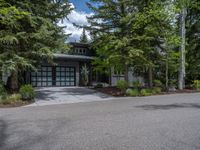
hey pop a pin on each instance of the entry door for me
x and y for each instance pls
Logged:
(65, 76)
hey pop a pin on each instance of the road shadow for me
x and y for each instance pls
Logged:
(54, 93)
(170, 106)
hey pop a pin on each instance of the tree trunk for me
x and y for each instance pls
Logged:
(14, 81)
(167, 73)
(126, 73)
(150, 77)
(181, 80)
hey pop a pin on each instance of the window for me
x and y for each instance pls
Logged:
(118, 72)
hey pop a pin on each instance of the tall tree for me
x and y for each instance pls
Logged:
(181, 79)
(83, 38)
(29, 34)
(193, 41)
(131, 32)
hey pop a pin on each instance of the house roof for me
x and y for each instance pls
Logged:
(75, 44)
(74, 57)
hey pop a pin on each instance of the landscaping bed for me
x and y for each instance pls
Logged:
(114, 91)
(22, 97)
(14, 104)
(139, 89)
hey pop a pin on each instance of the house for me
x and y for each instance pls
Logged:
(67, 70)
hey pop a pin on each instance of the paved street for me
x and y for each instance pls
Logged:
(169, 122)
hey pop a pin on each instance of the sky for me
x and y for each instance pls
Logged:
(77, 16)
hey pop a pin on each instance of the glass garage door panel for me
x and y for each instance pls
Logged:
(65, 76)
(42, 78)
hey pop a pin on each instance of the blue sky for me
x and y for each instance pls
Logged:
(80, 5)
(77, 16)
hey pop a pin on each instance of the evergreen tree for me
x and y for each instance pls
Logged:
(131, 33)
(193, 41)
(29, 34)
(83, 38)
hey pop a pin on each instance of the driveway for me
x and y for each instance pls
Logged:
(61, 95)
(170, 122)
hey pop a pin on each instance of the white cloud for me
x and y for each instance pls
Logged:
(78, 18)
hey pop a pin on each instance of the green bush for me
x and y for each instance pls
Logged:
(27, 92)
(99, 85)
(2, 89)
(146, 92)
(3, 93)
(14, 97)
(157, 83)
(133, 92)
(156, 90)
(122, 85)
(137, 84)
(11, 99)
(196, 84)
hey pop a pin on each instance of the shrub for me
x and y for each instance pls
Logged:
(196, 84)
(14, 97)
(157, 83)
(133, 92)
(122, 85)
(99, 85)
(2, 89)
(3, 93)
(3, 96)
(27, 92)
(146, 92)
(11, 99)
(156, 90)
(137, 84)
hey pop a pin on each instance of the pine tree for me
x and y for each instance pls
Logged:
(193, 41)
(83, 38)
(131, 33)
(29, 34)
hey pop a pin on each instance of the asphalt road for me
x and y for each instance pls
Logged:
(153, 123)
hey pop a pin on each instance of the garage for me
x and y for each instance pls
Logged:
(48, 76)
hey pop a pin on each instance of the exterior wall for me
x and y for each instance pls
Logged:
(115, 78)
(131, 78)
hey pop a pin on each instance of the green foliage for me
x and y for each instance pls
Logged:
(99, 85)
(122, 85)
(10, 99)
(83, 38)
(146, 92)
(133, 92)
(85, 74)
(157, 83)
(193, 41)
(137, 84)
(156, 90)
(14, 97)
(196, 84)
(30, 33)
(3, 93)
(2, 88)
(27, 92)
(141, 33)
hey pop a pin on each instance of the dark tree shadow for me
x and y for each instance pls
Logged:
(169, 106)
(48, 94)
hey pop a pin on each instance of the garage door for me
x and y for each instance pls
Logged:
(65, 76)
(48, 76)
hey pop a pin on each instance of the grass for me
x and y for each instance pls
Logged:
(12, 100)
